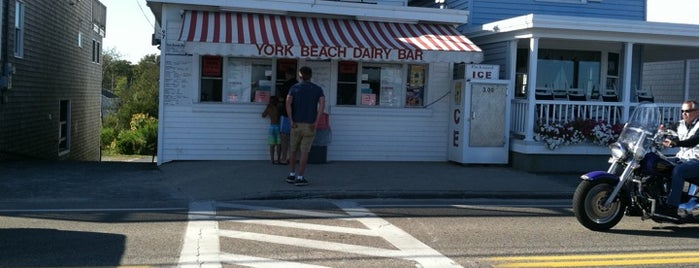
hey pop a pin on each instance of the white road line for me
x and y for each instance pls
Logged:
(297, 212)
(257, 262)
(410, 247)
(201, 241)
(299, 225)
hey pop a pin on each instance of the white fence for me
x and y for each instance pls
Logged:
(552, 111)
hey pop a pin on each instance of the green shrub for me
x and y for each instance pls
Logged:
(149, 132)
(141, 138)
(129, 142)
(107, 136)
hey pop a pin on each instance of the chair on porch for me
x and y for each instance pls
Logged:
(577, 97)
(610, 98)
(614, 112)
(543, 96)
(559, 93)
(642, 98)
(546, 109)
(577, 110)
(645, 95)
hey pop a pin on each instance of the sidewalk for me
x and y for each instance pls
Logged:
(144, 183)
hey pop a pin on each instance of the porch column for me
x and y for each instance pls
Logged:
(626, 75)
(687, 73)
(531, 88)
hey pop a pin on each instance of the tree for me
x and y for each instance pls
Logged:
(134, 125)
(141, 96)
(114, 68)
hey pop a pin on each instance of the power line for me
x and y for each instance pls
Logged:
(144, 13)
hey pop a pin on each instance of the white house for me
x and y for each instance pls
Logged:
(385, 68)
(388, 69)
(582, 60)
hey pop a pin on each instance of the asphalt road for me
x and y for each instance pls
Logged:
(339, 233)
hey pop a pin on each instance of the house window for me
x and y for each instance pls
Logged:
(19, 29)
(563, 71)
(96, 51)
(99, 17)
(384, 85)
(64, 127)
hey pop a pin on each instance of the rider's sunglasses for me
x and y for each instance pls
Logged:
(688, 111)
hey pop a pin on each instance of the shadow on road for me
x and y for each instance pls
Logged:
(26, 247)
(679, 231)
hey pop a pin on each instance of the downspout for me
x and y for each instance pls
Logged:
(687, 73)
(161, 85)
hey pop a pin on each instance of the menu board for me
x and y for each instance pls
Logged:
(321, 74)
(178, 76)
(234, 89)
(390, 85)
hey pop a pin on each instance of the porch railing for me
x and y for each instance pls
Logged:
(552, 111)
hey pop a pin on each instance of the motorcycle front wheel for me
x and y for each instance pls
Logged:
(589, 208)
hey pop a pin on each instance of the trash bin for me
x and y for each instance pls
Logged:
(318, 155)
(319, 149)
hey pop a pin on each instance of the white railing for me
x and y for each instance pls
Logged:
(379, 2)
(552, 111)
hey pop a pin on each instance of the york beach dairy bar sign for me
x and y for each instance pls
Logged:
(356, 53)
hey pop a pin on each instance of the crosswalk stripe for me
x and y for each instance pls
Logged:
(257, 262)
(296, 212)
(411, 247)
(408, 247)
(299, 225)
(314, 244)
(201, 242)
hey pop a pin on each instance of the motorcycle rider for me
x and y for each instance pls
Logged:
(688, 156)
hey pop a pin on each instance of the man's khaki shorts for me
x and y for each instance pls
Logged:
(302, 135)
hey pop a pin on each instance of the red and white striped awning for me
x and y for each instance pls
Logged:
(207, 32)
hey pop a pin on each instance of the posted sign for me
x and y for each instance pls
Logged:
(482, 71)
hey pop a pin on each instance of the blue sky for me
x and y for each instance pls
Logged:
(130, 23)
(129, 29)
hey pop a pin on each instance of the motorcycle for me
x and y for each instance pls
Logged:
(637, 181)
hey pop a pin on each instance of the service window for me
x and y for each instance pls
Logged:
(415, 90)
(347, 83)
(211, 78)
(261, 82)
(382, 85)
(248, 80)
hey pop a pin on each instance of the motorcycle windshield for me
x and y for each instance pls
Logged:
(645, 119)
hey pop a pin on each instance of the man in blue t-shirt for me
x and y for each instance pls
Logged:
(304, 106)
